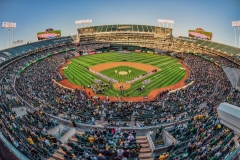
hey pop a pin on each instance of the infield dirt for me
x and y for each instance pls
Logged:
(141, 66)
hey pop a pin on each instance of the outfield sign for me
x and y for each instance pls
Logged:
(92, 52)
(76, 54)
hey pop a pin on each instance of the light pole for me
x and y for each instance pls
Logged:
(236, 24)
(87, 21)
(239, 34)
(8, 25)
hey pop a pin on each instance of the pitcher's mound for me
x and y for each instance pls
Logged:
(123, 73)
(123, 84)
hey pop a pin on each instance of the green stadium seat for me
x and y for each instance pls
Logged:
(114, 28)
(140, 28)
(213, 45)
(149, 28)
(220, 47)
(109, 29)
(104, 28)
(145, 29)
(199, 42)
(153, 28)
(206, 43)
(135, 28)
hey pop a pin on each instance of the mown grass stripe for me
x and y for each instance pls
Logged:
(170, 71)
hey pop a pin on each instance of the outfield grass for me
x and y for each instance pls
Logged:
(132, 73)
(169, 74)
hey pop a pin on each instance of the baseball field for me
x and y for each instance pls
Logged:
(123, 68)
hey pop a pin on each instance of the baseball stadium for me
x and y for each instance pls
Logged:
(119, 92)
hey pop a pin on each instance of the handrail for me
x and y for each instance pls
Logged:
(150, 142)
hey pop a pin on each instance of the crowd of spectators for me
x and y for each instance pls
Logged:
(91, 46)
(110, 143)
(27, 133)
(204, 135)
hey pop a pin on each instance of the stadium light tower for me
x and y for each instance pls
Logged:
(164, 21)
(81, 22)
(236, 24)
(8, 25)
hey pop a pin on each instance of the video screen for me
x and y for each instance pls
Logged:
(48, 34)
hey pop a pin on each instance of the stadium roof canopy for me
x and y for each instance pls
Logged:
(233, 51)
(125, 27)
(233, 75)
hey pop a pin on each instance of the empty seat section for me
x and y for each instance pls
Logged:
(104, 28)
(109, 28)
(114, 28)
(220, 47)
(99, 29)
(145, 29)
(234, 51)
(14, 51)
(153, 28)
(199, 42)
(226, 49)
(4, 56)
(206, 43)
(140, 28)
(135, 28)
(213, 45)
(149, 28)
(35, 45)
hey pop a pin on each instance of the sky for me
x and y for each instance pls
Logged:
(34, 16)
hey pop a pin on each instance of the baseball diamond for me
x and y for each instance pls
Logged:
(122, 73)
(167, 73)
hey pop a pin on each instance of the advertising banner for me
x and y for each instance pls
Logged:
(137, 50)
(92, 52)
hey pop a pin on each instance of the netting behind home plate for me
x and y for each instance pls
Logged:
(233, 75)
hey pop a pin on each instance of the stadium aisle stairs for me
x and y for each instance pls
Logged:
(145, 152)
(59, 154)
